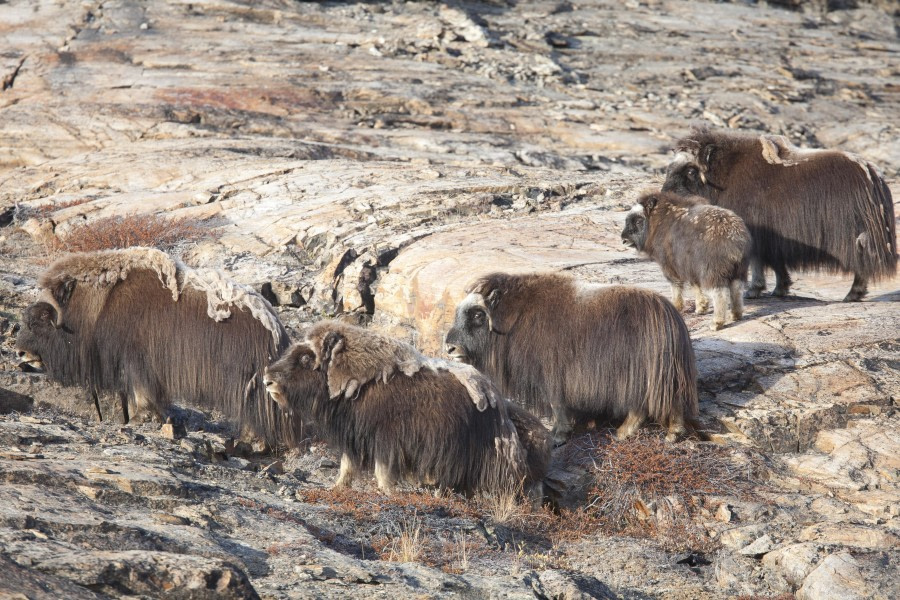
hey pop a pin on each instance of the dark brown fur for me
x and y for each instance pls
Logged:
(696, 243)
(422, 426)
(583, 353)
(129, 336)
(823, 210)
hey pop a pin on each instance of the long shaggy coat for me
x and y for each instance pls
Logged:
(579, 352)
(694, 243)
(805, 209)
(138, 323)
(408, 417)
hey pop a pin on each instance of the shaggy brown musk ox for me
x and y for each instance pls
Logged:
(138, 323)
(579, 352)
(387, 407)
(805, 209)
(693, 242)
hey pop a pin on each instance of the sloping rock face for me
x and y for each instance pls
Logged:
(370, 160)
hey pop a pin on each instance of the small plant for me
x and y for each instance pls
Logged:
(131, 230)
(407, 545)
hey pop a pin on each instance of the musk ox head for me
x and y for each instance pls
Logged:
(42, 341)
(476, 320)
(637, 222)
(294, 378)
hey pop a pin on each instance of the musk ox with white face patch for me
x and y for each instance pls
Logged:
(579, 353)
(805, 209)
(386, 407)
(140, 324)
(693, 242)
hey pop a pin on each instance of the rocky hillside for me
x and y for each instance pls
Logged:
(369, 160)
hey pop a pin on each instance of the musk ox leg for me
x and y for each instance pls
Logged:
(720, 303)
(858, 290)
(384, 478)
(676, 428)
(782, 281)
(145, 408)
(757, 278)
(345, 474)
(562, 425)
(702, 302)
(630, 425)
(737, 300)
(678, 295)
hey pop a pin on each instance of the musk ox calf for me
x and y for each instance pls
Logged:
(142, 325)
(693, 242)
(386, 407)
(579, 352)
(805, 209)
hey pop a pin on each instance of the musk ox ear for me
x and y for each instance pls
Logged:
(704, 160)
(649, 203)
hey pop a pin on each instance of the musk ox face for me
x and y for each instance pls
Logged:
(469, 338)
(686, 176)
(41, 338)
(636, 225)
(294, 378)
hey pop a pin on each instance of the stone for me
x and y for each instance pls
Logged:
(11, 401)
(172, 431)
(837, 577)
(724, 513)
(758, 547)
(793, 562)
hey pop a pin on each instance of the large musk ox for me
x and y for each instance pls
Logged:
(387, 407)
(805, 209)
(579, 352)
(140, 324)
(693, 242)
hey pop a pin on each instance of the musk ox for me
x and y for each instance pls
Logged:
(140, 324)
(579, 352)
(387, 407)
(696, 243)
(805, 209)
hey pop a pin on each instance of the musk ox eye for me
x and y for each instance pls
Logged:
(477, 318)
(691, 172)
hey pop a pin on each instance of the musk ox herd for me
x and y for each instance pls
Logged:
(144, 327)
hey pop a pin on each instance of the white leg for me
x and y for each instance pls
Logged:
(757, 278)
(629, 425)
(676, 428)
(678, 295)
(383, 478)
(720, 302)
(345, 475)
(702, 302)
(737, 300)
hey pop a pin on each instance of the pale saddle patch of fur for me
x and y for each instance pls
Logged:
(778, 150)
(105, 268)
(365, 356)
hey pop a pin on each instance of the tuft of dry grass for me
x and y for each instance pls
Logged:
(646, 487)
(407, 544)
(132, 230)
(45, 210)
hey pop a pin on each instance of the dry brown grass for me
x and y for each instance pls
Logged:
(646, 487)
(132, 230)
(45, 210)
(366, 506)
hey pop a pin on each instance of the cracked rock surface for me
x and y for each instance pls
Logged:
(370, 159)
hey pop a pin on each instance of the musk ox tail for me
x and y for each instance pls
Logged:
(877, 247)
(672, 368)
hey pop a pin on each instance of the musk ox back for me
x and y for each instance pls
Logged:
(386, 407)
(693, 242)
(806, 209)
(579, 352)
(142, 325)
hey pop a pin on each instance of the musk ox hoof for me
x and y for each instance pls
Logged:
(780, 292)
(854, 296)
(717, 325)
(753, 293)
